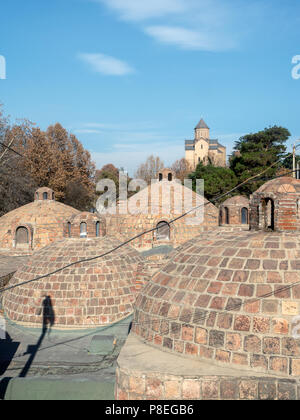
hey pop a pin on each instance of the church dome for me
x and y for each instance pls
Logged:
(93, 293)
(34, 225)
(231, 299)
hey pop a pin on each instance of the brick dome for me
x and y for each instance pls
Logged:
(154, 211)
(237, 200)
(34, 225)
(221, 298)
(281, 185)
(96, 293)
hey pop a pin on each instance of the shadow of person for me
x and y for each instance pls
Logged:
(48, 313)
(48, 322)
(8, 349)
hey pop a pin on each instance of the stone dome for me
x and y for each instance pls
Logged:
(281, 185)
(225, 298)
(88, 294)
(34, 225)
(237, 200)
(154, 207)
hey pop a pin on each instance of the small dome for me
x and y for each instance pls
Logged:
(34, 225)
(281, 185)
(225, 297)
(237, 200)
(88, 294)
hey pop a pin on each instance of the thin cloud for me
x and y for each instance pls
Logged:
(209, 25)
(186, 39)
(136, 10)
(106, 65)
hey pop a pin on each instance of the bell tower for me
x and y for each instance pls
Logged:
(201, 130)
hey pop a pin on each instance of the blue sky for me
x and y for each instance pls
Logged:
(133, 77)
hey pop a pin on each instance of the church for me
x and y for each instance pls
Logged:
(204, 149)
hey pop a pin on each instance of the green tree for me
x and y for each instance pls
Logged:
(217, 180)
(256, 152)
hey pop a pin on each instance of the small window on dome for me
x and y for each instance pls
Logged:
(160, 177)
(36, 195)
(45, 196)
(83, 230)
(170, 176)
(226, 215)
(244, 216)
(97, 229)
(53, 196)
(69, 229)
(163, 231)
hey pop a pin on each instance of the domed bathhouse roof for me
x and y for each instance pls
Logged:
(94, 293)
(155, 206)
(218, 322)
(34, 225)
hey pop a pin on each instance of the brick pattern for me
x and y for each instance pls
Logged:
(44, 219)
(234, 206)
(285, 193)
(221, 298)
(127, 225)
(150, 386)
(95, 293)
(72, 225)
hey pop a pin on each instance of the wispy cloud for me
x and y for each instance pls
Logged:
(137, 10)
(186, 38)
(106, 65)
(209, 25)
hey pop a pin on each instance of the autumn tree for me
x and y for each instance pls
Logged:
(56, 159)
(16, 186)
(149, 170)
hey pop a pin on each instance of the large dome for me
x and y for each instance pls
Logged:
(34, 225)
(225, 297)
(95, 293)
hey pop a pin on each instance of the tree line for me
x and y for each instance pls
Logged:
(56, 159)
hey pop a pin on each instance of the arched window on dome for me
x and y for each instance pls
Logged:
(170, 176)
(160, 177)
(45, 196)
(69, 229)
(244, 216)
(22, 236)
(83, 230)
(53, 196)
(268, 209)
(163, 231)
(97, 229)
(36, 195)
(226, 215)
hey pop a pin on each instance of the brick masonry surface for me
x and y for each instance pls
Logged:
(285, 195)
(234, 206)
(135, 385)
(127, 225)
(93, 293)
(226, 297)
(44, 220)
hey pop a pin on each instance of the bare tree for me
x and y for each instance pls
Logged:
(150, 168)
(181, 168)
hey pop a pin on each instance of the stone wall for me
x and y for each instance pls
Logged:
(159, 386)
